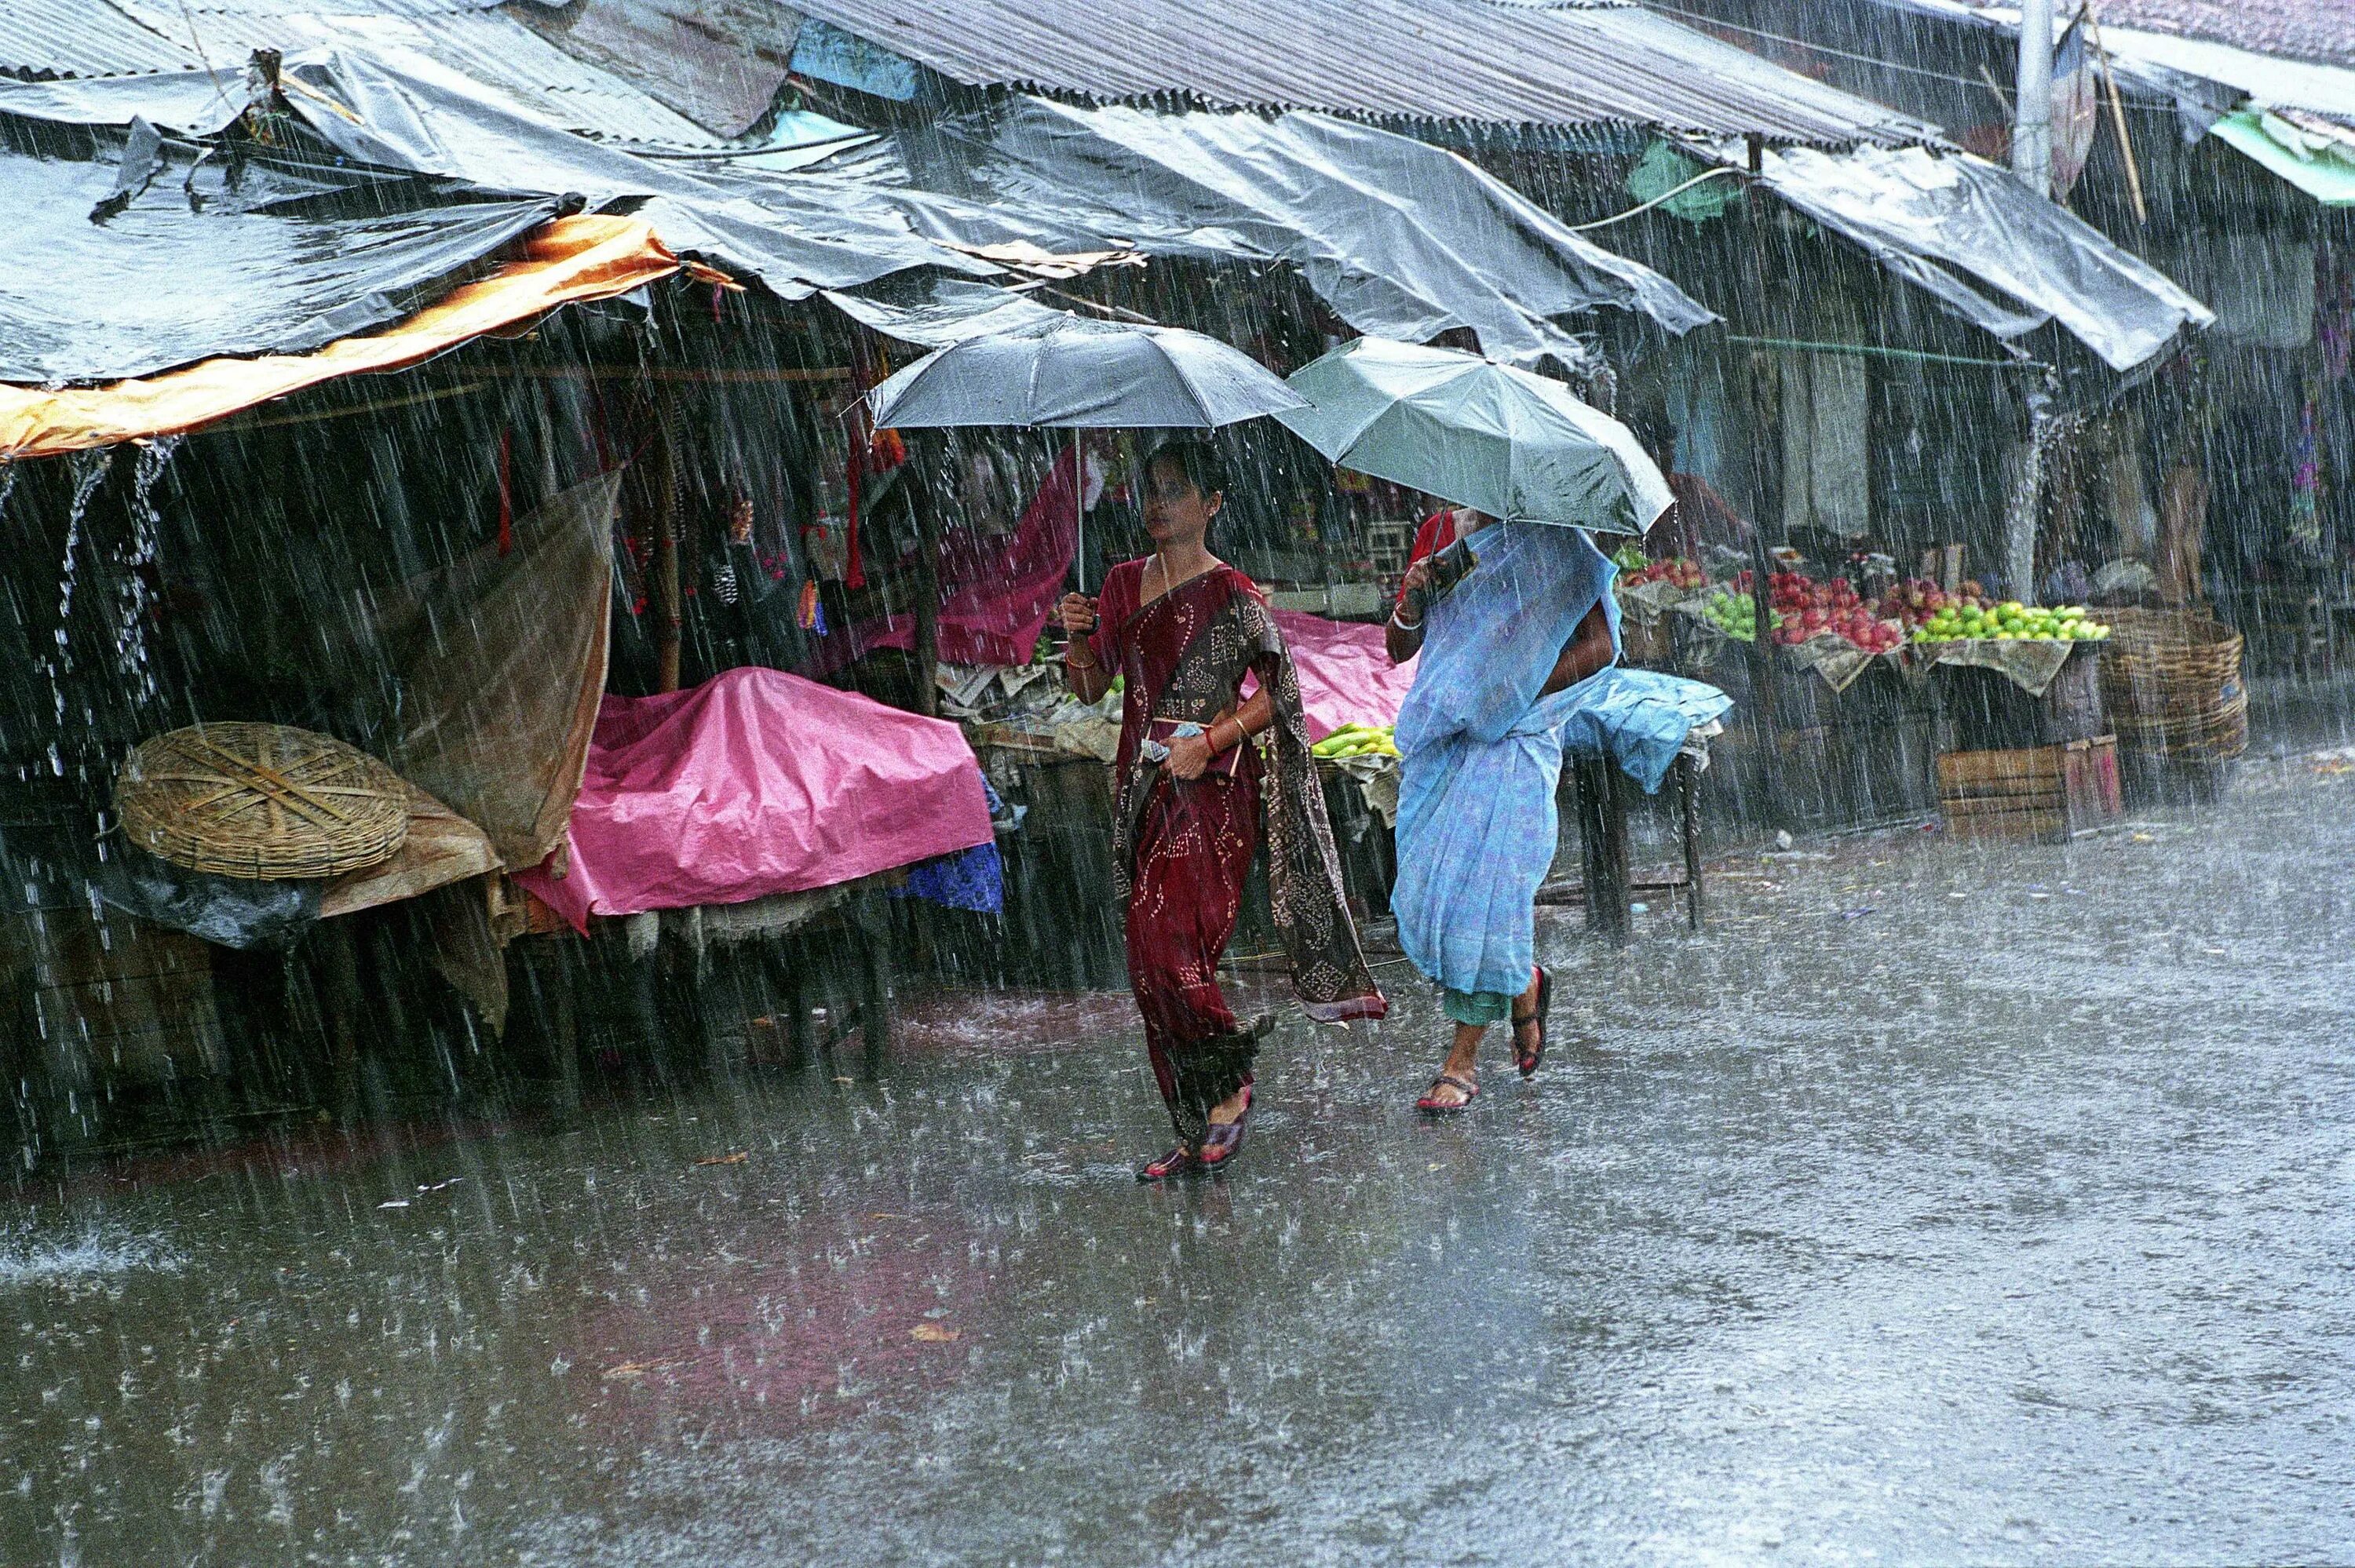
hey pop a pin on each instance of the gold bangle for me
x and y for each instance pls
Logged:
(1072, 664)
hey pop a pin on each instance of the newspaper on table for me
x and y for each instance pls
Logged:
(2029, 663)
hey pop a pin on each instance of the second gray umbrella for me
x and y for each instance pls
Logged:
(1074, 374)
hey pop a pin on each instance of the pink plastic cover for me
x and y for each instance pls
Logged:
(757, 782)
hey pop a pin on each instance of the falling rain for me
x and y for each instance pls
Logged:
(1411, 781)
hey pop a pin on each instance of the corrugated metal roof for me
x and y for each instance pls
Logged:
(719, 62)
(484, 44)
(2320, 30)
(42, 38)
(1452, 59)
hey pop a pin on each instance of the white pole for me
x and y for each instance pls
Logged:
(2031, 133)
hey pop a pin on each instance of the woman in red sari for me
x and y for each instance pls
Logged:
(1193, 799)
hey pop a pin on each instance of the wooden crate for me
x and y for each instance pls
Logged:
(2044, 793)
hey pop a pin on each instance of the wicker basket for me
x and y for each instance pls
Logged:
(261, 801)
(2171, 681)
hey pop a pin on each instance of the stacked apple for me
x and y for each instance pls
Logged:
(1736, 615)
(1913, 602)
(1680, 572)
(2012, 622)
(1811, 608)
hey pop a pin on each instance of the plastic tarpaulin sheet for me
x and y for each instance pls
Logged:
(197, 102)
(2322, 165)
(269, 266)
(1346, 675)
(1987, 247)
(1402, 238)
(570, 259)
(755, 783)
(941, 311)
(383, 107)
(996, 591)
(396, 109)
(500, 666)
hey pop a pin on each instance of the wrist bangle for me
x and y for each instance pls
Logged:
(1414, 625)
(1072, 664)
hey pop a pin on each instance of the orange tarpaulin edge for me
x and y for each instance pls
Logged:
(564, 261)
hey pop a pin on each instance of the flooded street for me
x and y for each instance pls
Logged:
(1937, 1204)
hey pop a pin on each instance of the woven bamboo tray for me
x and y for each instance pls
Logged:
(263, 802)
(2171, 681)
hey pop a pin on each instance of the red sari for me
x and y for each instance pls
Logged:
(1183, 847)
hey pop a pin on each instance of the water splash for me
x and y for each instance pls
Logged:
(92, 1252)
(89, 471)
(134, 560)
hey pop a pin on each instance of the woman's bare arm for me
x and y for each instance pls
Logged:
(1088, 680)
(1588, 649)
(1402, 638)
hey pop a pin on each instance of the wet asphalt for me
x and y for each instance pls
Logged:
(1936, 1205)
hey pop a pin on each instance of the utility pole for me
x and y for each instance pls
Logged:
(2031, 131)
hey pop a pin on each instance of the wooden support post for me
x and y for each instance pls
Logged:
(342, 1001)
(875, 992)
(669, 600)
(1688, 805)
(1603, 838)
(1766, 722)
(928, 578)
(563, 1031)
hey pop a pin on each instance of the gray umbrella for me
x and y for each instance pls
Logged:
(1074, 372)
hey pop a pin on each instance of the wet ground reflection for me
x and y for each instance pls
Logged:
(1936, 1205)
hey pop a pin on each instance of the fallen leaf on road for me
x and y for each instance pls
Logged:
(932, 1333)
(736, 1158)
(638, 1369)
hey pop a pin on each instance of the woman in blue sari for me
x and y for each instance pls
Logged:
(1518, 665)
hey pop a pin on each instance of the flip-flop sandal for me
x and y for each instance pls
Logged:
(1226, 1139)
(1178, 1161)
(1430, 1106)
(1526, 1061)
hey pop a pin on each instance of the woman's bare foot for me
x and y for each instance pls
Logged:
(1230, 1110)
(1463, 1063)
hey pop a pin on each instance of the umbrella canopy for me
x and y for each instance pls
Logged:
(1506, 442)
(1074, 372)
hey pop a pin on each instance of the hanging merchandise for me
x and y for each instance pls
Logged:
(828, 544)
(2306, 480)
(2334, 309)
(810, 614)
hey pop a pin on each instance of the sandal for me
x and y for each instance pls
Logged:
(1226, 1139)
(1431, 1106)
(1180, 1161)
(1526, 1061)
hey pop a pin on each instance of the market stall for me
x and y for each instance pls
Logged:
(1869, 692)
(710, 816)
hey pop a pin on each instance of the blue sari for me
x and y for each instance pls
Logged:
(1483, 750)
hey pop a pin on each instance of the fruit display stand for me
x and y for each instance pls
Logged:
(1647, 592)
(1358, 766)
(2011, 694)
(1823, 731)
